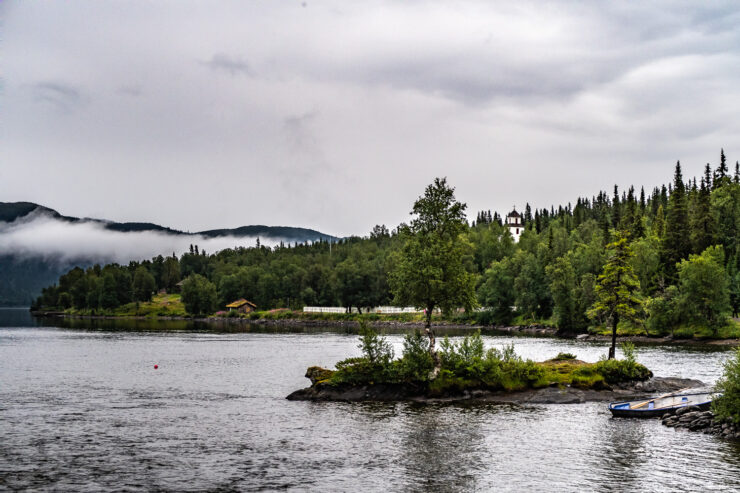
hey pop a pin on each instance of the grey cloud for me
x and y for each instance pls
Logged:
(132, 91)
(232, 65)
(336, 116)
(62, 97)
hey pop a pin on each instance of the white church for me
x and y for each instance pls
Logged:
(514, 222)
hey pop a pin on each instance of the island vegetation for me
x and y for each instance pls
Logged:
(466, 370)
(662, 262)
(467, 365)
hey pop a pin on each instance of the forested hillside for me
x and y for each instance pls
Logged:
(24, 271)
(679, 242)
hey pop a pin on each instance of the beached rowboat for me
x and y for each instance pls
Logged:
(658, 406)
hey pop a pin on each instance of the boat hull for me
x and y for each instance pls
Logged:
(658, 406)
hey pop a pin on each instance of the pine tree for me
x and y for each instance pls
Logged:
(616, 290)
(616, 216)
(658, 227)
(722, 170)
(676, 245)
(702, 224)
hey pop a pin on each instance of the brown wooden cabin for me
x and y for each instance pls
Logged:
(242, 306)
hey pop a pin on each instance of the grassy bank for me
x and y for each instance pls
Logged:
(729, 330)
(161, 305)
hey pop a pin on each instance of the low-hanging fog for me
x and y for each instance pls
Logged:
(42, 235)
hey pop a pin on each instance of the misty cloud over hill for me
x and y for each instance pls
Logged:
(37, 244)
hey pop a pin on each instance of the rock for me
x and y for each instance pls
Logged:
(666, 416)
(316, 374)
(581, 336)
(686, 410)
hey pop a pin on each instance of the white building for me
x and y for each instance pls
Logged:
(514, 222)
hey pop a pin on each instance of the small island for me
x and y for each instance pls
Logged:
(468, 372)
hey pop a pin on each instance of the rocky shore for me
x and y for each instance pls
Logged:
(320, 391)
(694, 419)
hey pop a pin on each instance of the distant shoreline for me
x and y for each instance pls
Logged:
(526, 330)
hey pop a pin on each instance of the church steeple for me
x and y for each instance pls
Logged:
(515, 225)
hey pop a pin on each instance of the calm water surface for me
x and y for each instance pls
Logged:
(82, 409)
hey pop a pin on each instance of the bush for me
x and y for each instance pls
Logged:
(728, 406)
(374, 348)
(564, 357)
(416, 362)
(376, 364)
(623, 370)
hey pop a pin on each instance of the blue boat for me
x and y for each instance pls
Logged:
(658, 406)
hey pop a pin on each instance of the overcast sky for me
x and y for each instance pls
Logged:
(335, 115)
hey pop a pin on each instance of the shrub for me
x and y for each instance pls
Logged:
(463, 355)
(564, 357)
(623, 370)
(376, 364)
(728, 406)
(416, 363)
(376, 349)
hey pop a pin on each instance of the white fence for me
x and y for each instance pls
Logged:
(377, 309)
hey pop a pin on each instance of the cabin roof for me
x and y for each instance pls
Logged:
(240, 302)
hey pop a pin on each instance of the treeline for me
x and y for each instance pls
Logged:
(683, 239)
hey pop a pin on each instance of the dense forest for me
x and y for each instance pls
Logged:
(679, 242)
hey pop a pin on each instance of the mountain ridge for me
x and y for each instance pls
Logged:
(12, 211)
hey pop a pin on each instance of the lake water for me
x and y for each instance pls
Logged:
(83, 409)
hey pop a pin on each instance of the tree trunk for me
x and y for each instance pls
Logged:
(613, 349)
(432, 345)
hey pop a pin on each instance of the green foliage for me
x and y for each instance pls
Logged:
(624, 370)
(616, 289)
(497, 291)
(143, 284)
(562, 278)
(728, 406)
(429, 270)
(416, 363)
(199, 295)
(676, 241)
(375, 349)
(664, 311)
(705, 287)
(564, 356)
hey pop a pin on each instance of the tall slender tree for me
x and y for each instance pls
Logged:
(676, 242)
(616, 289)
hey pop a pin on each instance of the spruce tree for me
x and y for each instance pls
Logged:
(702, 224)
(616, 216)
(676, 245)
(722, 170)
(616, 289)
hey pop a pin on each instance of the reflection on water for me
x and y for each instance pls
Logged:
(83, 409)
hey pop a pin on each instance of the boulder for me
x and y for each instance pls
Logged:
(317, 374)
(686, 410)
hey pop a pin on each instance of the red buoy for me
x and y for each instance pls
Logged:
(156, 366)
